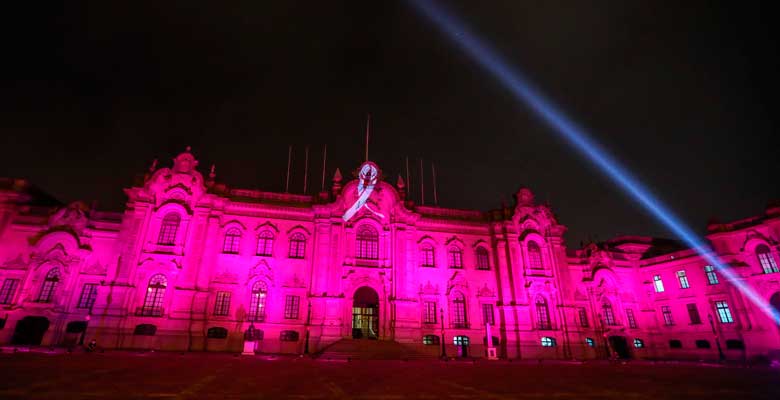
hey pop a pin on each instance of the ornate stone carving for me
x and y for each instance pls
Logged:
(73, 216)
(95, 269)
(15, 263)
(486, 292)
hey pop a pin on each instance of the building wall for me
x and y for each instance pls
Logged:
(128, 260)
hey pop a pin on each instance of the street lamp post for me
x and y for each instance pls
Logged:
(443, 343)
(721, 356)
(86, 324)
(308, 321)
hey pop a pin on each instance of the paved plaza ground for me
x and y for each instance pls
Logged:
(126, 375)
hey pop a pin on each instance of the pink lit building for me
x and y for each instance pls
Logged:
(191, 264)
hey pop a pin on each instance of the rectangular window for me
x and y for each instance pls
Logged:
(667, 313)
(609, 316)
(630, 318)
(483, 259)
(658, 284)
(456, 258)
(459, 314)
(265, 244)
(724, 314)
(427, 257)
(8, 290)
(487, 314)
(291, 307)
(683, 280)
(583, 313)
(430, 312)
(693, 313)
(712, 277)
(88, 296)
(222, 305)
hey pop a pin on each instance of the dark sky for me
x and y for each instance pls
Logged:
(680, 92)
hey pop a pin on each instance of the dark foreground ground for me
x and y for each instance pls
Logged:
(119, 375)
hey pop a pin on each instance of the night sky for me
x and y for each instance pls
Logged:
(681, 93)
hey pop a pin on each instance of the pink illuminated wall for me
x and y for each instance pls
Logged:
(191, 264)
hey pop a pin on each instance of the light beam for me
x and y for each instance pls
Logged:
(577, 137)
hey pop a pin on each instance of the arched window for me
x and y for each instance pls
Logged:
(542, 313)
(367, 243)
(168, 229)
(297, 245)
(608, 313)
(768, 264)
(534, 256)
(483, 259)
(265, 243)
(232, 241)
(427, 258)
(459, 318)
(49, 285)
(155, 293)
(257, 301)
(455, 257)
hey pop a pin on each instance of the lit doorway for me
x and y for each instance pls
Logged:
(365, 314)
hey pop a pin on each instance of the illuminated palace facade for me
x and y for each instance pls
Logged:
(192, 264)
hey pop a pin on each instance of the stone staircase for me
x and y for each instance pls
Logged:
(365, 349)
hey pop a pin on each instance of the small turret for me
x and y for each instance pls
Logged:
(337, 183)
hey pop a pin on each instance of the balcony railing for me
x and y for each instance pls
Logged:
(459, 325)
(149, 311)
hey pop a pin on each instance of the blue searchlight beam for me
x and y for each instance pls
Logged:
(521, 88)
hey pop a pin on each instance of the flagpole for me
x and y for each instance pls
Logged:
(287, 183)
(435, 194)
(408, 182)
(422, 184)
(368, 130)
(306, 170)
(324, 158)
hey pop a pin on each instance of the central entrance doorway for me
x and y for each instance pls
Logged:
(365, 314)
(619, 345)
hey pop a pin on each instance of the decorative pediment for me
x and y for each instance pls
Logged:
(428, 288)
(95, 269)
(182, 183)
(261, 270)
(226, 277)
(295, 282)
(758, 236)
(73, 216)
(454, 240)
(162, 265)
(486, 292)
(458, 281)
(15, 263)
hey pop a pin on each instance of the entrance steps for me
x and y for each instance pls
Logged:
(366, 349)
